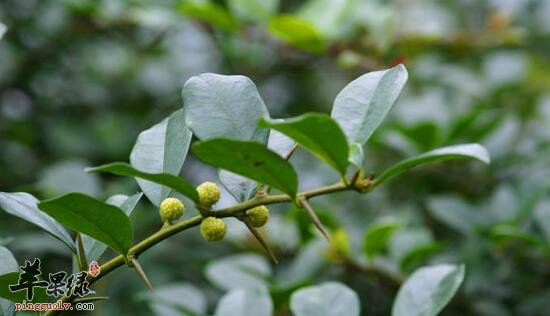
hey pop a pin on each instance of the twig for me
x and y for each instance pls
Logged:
(171, 230)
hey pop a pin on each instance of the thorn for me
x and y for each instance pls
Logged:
(260, 239)
(141, 273)
(314, 217)
(81, 253)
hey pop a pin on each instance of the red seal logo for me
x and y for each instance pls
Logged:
(94, 269)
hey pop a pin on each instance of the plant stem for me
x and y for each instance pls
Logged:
(231, 211)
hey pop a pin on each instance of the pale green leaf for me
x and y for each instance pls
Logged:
(364, 103)
(161, 149)
(428, 290)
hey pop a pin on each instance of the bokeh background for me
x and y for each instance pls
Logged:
(80, 79)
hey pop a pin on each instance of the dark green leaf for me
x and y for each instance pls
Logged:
(161, 149)
(24, 205)
(176, 183)
(317, 133)
(253, 10)
(242, 188)
(297, 32)
(364, 103)
(224, 106)
(94, 248)
(378, 235)
(211, 13)
(12, 278)
(245, 302)
(104, 222)
(505, 232)
(330, 298)
(418, 256)
(249, 159)
(475, 151)
(428, 290)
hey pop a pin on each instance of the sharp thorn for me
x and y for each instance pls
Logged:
(260, 239)
(141, 273)
(314, 218)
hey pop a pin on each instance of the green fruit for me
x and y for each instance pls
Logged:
(171, 209)
(258, 215)
(213, 229)
(209, 193)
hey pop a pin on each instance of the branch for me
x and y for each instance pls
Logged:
(232, 211)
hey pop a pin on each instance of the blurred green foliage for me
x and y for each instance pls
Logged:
(80, 79)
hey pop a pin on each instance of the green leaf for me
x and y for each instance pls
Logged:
(418, 255)
(224, 106)
(428, 290)
(245, 302)
(176, 299)
(317, 133)
(24, 206)
(504, 232)
(161, 149)
(364, 103)
(11, 278)
(474, 151)
(211, 13)
(333, 19)
(329, 298)
(7, 264)
(253, 10)
(104, 222)
(296, 32)
(239, 271)
(176, 183)
(94, 248)
(377, 236)
(249, 159)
